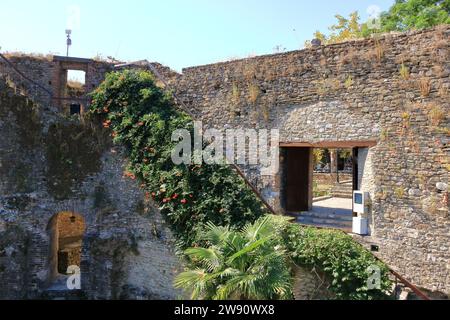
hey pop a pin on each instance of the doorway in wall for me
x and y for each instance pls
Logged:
(318, 183)
(66, 235)
(297, 176)
(75, 108)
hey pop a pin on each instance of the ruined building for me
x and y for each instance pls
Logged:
(385, 98)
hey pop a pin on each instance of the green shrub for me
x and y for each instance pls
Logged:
(344, 261)
(238, 265)
(142, 118)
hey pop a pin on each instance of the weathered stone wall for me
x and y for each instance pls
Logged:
(50, 74)
(38, 69)
(50, 164)
(393, 91)
(310, 285)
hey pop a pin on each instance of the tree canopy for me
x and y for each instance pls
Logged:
(404, 15)
(415, 14)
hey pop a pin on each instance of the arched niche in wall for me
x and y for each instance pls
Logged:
(66, 231)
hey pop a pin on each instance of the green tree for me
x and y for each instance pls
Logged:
(402, 16)
(344, 29)
(319, 155)
(238, 265)
(415, 14)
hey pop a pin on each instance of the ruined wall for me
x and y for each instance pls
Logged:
(393, 90)
(48, 74)
(51, 164)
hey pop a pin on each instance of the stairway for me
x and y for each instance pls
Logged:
(335, 213)
(343, 190)
(327, 220)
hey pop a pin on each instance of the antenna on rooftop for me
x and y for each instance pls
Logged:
(69, 40)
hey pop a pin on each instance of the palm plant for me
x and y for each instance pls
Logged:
(238, 265)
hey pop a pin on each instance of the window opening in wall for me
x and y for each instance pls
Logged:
(75, 86)
(75, 108)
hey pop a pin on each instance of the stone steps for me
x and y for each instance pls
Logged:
(337, 216)
(334, 221)
(326, 224)
(343, 191)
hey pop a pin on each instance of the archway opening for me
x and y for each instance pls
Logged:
(66, 237)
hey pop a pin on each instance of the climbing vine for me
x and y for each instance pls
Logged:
(142, 117)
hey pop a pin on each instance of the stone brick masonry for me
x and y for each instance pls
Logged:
(392, 91)
(50, 164)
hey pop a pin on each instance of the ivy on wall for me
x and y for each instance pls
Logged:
(142, 117)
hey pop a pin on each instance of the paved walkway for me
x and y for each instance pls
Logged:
(336, 213)
(334, 205)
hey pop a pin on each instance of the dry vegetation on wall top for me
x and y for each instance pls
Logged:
(32, 55)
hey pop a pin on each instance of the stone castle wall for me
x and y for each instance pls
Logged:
(49, 165)
(392, 92)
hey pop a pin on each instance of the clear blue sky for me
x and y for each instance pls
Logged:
(177, 33)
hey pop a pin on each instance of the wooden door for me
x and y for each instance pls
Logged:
(297, 179)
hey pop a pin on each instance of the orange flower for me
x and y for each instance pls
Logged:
(129, 175)
(107, 124)
(114, 134)
(140, 124)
